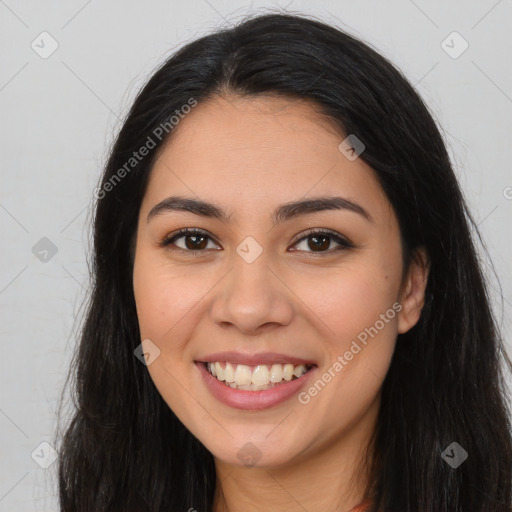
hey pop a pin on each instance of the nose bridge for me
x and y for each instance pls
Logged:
(251, 294)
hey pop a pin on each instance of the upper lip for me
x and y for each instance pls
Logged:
(255, 359)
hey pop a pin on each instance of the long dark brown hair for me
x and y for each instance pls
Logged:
(125, 450)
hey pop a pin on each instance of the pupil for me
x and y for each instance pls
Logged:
(195, 238)
(321, 245)
(319, 242)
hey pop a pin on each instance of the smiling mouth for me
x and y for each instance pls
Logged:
(255, 378)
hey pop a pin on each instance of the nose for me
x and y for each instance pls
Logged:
(252, 298)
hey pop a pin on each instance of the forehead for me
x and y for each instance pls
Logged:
(252, 152)
(268, 124)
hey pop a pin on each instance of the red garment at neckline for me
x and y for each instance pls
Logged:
(362, 507)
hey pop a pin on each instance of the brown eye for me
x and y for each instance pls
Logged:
(320, 241)
(194, 241)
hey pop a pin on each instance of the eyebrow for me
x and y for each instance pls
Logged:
(281, 214)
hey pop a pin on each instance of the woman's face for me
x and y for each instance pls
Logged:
(262, 287)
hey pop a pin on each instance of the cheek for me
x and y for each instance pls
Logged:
(356, 312)
(165, 302)
(351, 299)
(163, 296)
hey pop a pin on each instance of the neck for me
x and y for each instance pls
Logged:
(333, 477)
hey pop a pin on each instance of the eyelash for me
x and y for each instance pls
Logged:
(344, 243)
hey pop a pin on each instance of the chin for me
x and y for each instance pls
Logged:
(259, 453)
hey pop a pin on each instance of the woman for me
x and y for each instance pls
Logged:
(287, 309)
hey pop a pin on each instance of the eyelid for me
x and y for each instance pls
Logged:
(342, 241)
(168, 239)
(338, 237)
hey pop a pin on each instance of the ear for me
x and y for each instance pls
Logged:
(412, 295)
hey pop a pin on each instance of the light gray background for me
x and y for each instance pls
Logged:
(59, 116)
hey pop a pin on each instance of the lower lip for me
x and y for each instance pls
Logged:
(253, 400)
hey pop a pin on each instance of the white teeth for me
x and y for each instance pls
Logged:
(299, 370)
(255, 378)
(276, 373)
(243, 375)
(288, 371)
(229, 373)
(260, 375)
(219, 371)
